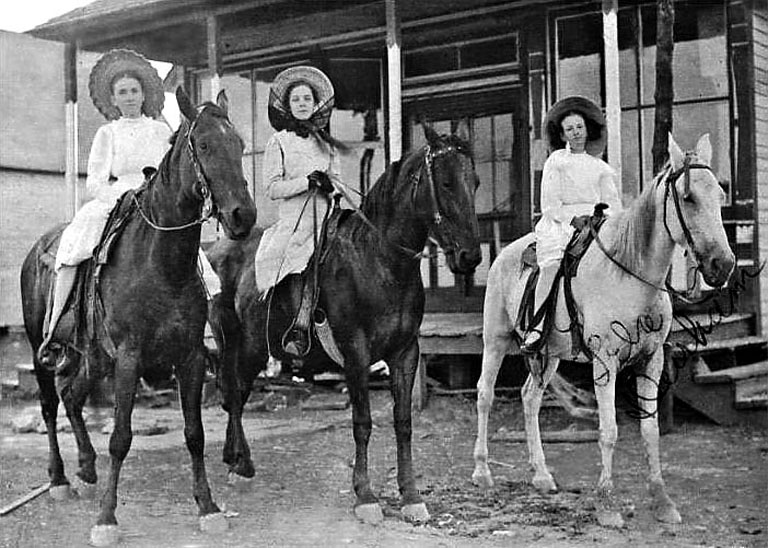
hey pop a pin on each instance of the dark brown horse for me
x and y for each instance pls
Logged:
(154, 303)
(372, 292)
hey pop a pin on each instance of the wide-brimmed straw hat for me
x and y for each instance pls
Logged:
(593, 116)
(313, 77)
(118, 61)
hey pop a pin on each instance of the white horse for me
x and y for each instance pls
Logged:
(623, 307)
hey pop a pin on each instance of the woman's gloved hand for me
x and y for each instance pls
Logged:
(320, 180)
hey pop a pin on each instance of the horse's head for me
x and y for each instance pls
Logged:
(692, 216)
(215, 156)
(450, 182)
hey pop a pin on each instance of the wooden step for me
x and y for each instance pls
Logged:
(752, 393)
(732, 374)
(730, 344)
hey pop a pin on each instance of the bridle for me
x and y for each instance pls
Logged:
(669, 178)
(436, 217)
(672, 178)
(203, 184)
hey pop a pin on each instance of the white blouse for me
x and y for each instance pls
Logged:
(121, 149)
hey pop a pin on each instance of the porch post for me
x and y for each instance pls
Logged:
(612, 91)
(71, 168)
(214, 57)
(394, 82)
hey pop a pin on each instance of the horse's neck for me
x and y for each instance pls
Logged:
(641, 231)
(401, 231)
(174, 251)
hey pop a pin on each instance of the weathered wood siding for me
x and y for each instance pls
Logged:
(33, 194)
(760, 44)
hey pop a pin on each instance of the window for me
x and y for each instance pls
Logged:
(470, 54)
(700, 76)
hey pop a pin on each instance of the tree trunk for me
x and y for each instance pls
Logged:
(664, 94)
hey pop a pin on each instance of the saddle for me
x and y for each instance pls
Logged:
(317, 323)
(82, 319)
(587, 226)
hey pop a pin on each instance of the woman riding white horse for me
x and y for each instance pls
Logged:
(623, 307)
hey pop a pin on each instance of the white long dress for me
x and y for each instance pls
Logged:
(287, 245)
(571, 185)
(120, 150)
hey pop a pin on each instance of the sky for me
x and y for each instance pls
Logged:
(24, 15)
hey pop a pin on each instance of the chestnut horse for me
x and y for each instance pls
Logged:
(154, 303)
(372, 293)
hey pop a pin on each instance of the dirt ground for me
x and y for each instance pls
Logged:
(301, 495)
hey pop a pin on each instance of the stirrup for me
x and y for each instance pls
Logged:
(532, 342)
(297, 342)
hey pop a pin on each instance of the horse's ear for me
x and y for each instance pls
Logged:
(704, 149)
(462, 131)
(223, 102)
(676, 155)
(185, 105)
(430, 134)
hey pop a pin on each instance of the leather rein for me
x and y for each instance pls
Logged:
(669, 188)
(201, 179)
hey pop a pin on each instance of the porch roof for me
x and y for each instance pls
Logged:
(252, 33)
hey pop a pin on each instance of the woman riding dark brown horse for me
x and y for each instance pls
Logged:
(371, 291)
(152, 301)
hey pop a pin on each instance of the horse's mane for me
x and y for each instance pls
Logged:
(382, 196)
(635, 225)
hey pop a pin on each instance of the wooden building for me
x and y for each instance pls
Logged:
(491, 67)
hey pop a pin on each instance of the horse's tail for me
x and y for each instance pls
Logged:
(37, 272)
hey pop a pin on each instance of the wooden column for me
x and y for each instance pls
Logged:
(214, 55)
(71, 128)
(612, 91)
(394, 83)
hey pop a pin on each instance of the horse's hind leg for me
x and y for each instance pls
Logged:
(647, 393)
(190, 378)
(533, 392)
(49, 407)
(496, 343)
(74, 399)
(403, 369)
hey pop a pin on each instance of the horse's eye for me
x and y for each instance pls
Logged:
(688, 198)
(204, 146)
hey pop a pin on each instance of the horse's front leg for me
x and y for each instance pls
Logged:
(403, 371)
(647, 394)
(604, 370)
(105, 531)
(190, 377)
(533, 393)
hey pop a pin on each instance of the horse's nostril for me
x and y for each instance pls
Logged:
(469, 258)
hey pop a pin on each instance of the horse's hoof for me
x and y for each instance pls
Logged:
(214, 524)
(545, 485)
(668, 514)
(238, 482)
(484, 480)
(416, 513)
(61, 493)
(610, 518)
(369, 513)
(104, 535)
(87, 491)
